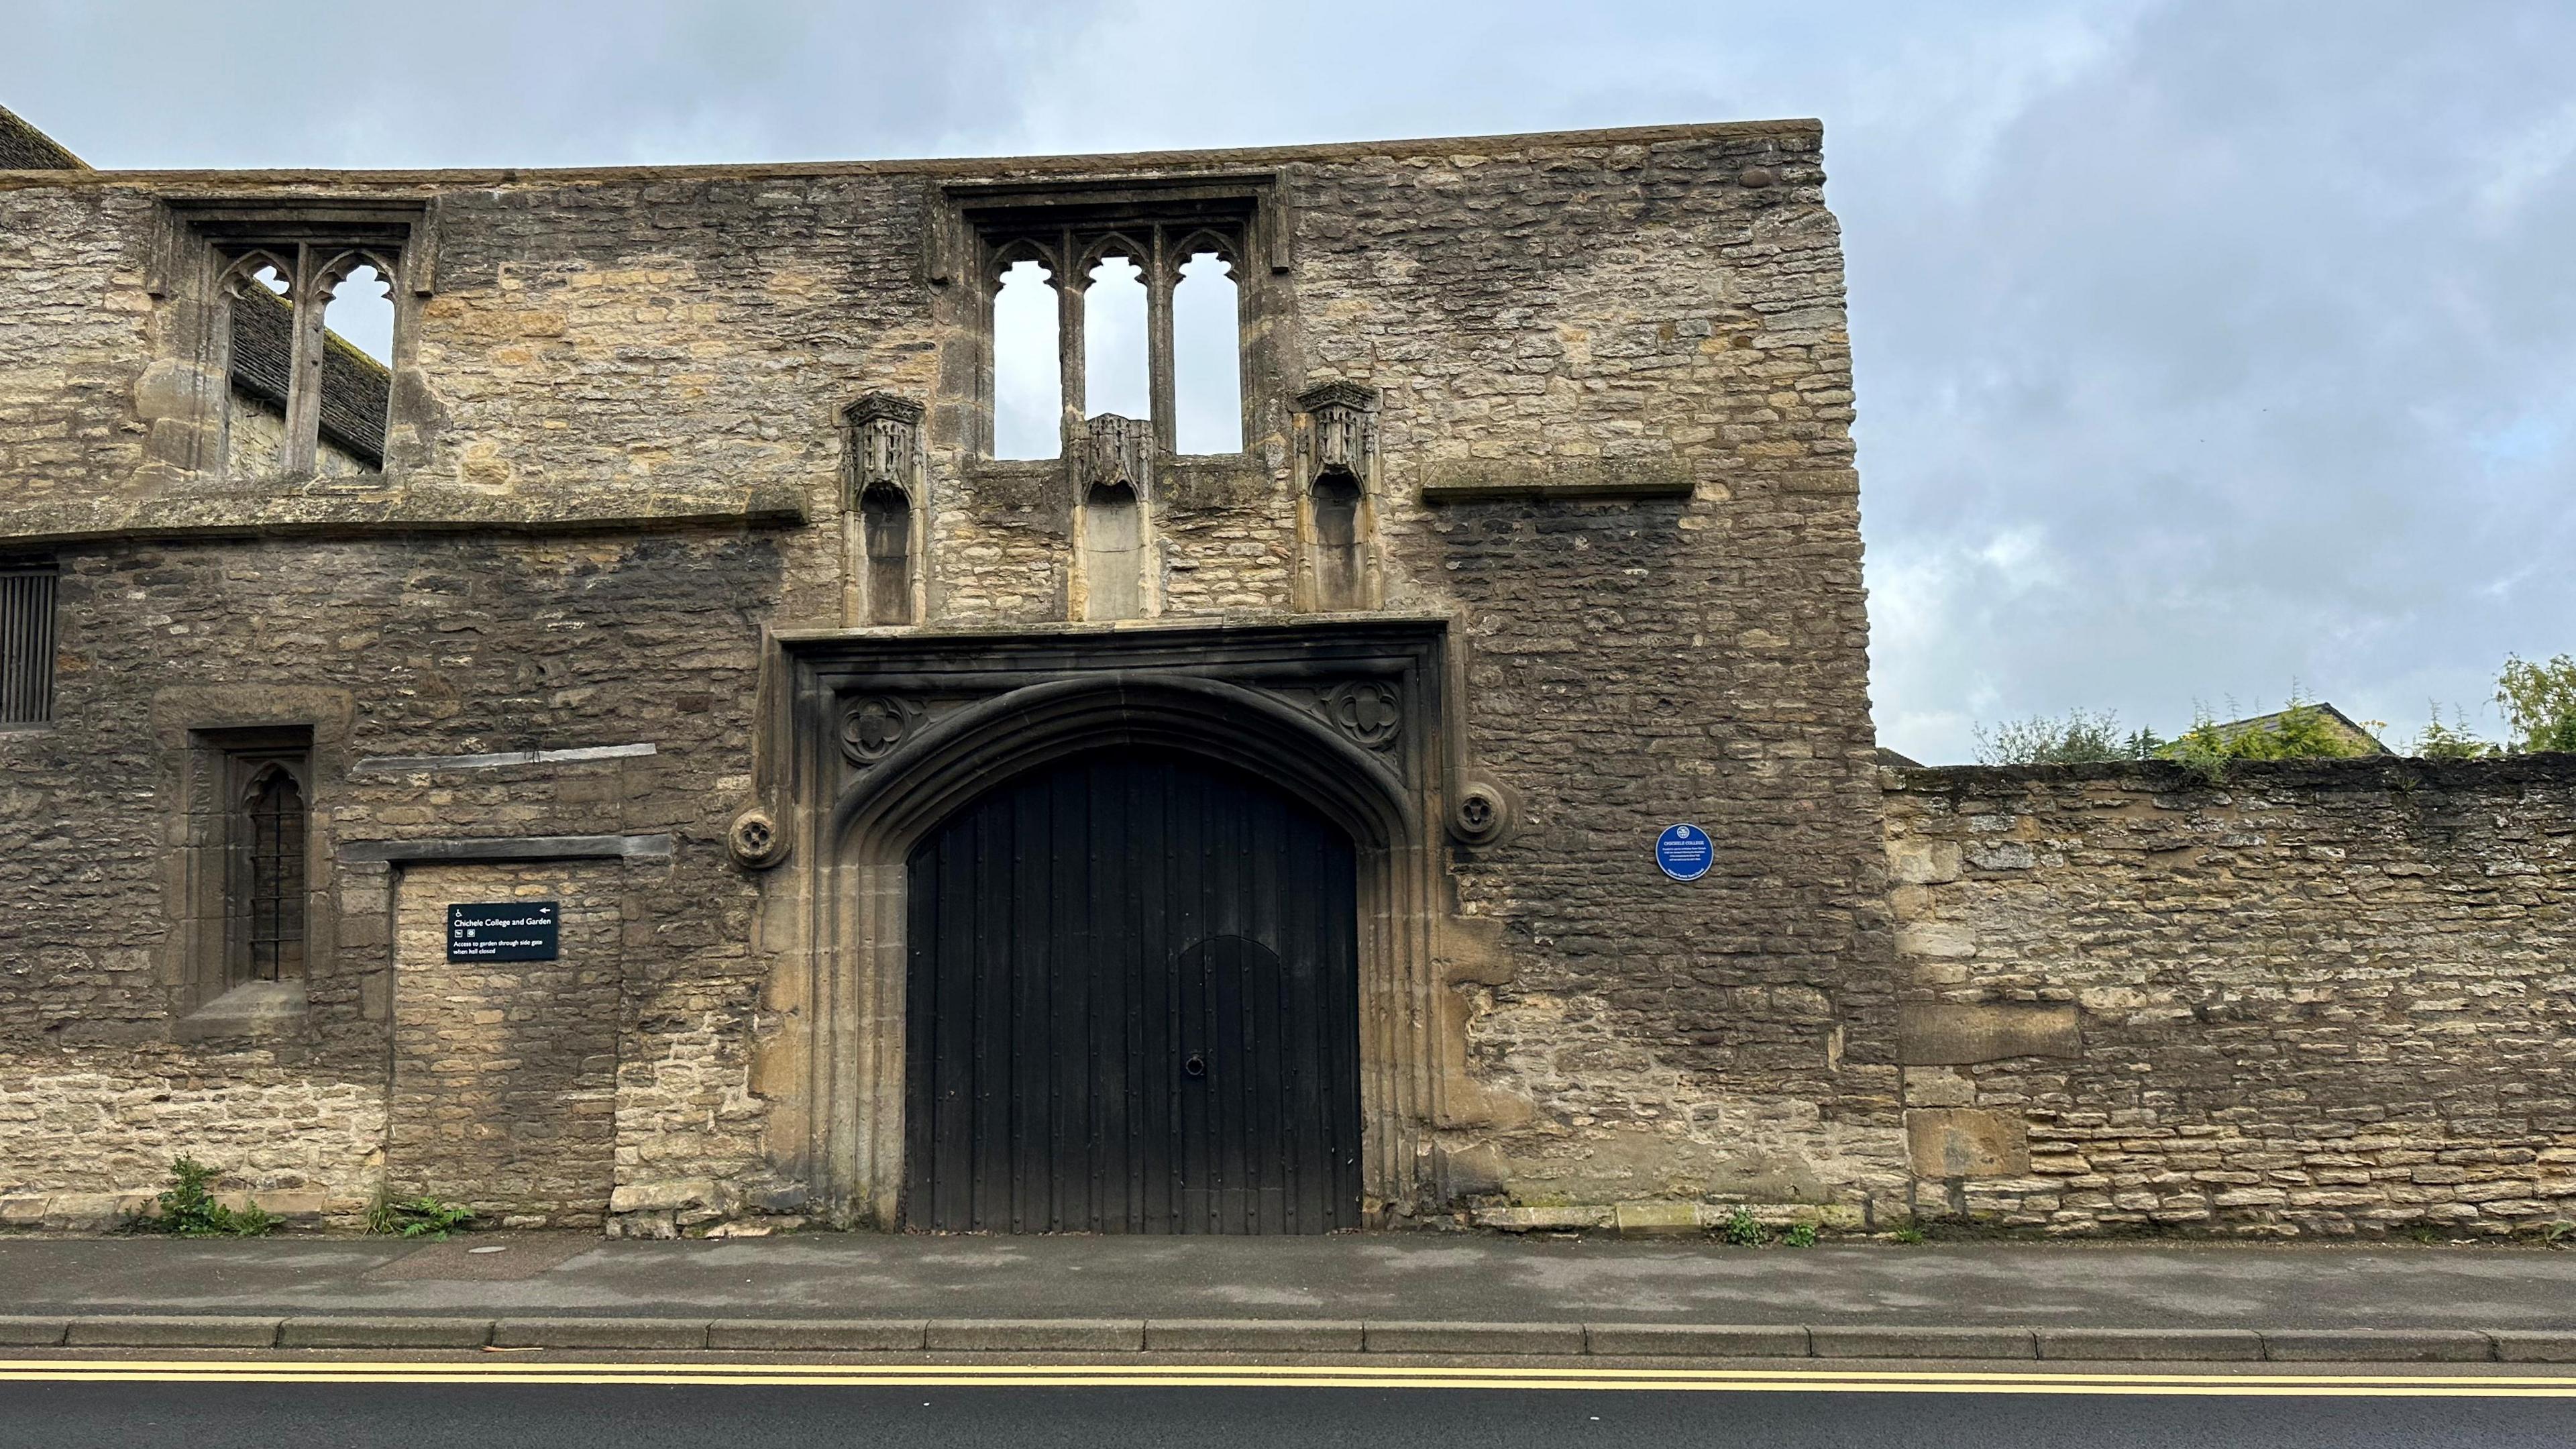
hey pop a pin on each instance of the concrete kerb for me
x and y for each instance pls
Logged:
(1295, 1336)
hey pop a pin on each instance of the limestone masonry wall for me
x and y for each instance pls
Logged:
(1598, 387)
(2318, 998)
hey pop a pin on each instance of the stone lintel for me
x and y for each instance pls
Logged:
(508, 848)
(1936, 1035)
(1467, 480)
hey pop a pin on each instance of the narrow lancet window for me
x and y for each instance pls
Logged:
(1028, 396)
(1207, 357)
(1113, 553)
(1115, 376)
(268, 875)
(886, 520)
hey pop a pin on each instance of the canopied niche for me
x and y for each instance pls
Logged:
(1336, 460)
(884, 514)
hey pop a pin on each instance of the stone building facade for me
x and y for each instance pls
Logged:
(688, 600)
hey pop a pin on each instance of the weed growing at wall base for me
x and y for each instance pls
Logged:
(188, 1210)
(416, 1217)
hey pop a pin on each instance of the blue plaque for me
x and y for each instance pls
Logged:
(509, 931)
(1684, 852)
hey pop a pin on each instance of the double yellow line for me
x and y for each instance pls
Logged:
(932, 1375)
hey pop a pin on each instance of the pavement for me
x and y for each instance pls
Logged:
(1344, 1294)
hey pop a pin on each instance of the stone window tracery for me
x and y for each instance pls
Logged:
(1094, 275)
(268, 893)
(305, 400)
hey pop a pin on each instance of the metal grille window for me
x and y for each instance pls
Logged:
(26, 644)
(269, 899)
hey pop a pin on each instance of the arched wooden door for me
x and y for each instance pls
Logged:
(1133, 1007)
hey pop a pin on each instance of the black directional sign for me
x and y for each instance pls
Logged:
(504, 931)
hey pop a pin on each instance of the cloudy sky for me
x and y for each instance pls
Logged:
(2203, 348)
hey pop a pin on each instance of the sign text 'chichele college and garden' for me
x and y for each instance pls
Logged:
(504, 931)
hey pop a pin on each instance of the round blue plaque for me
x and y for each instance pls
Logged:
(1683, 851)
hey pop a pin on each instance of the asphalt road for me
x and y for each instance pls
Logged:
(642, 1416)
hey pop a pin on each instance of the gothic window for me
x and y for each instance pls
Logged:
(1116, 376)
(1028, 379)
(26, 643)
(267, 876)
(886, 521)
(1114, 347)
(310, 340)
(1207, 356)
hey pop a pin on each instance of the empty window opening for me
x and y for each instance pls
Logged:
(1207, 357)
(263, 343)
(1338, 579)
(1113, 547)
(357, 372)
(311, 339)
(268, 877)
(1028, 372)
(26, 644)
(886, 519)
(1116, 376)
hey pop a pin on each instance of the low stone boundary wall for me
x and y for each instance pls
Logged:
(2322, 997)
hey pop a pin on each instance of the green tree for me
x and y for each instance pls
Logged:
(2439, 741)
(2300, 731)
(2539, 703)
(2083, 737)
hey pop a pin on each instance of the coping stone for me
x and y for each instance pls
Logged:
(1702, 1340)
(159, 1331)
(600, 1333)
(1473, 1338)
(818, 1333)
(1253, 1335)
(388, 1332)
(2199, 1345)
(1864, 1341)
(28, 1332)
(1033, 1335)
(2377, 1345)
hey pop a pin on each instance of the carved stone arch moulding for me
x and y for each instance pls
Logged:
(1375, 753)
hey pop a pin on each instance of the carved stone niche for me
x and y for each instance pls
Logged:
(1336, 460)
(885, 513)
